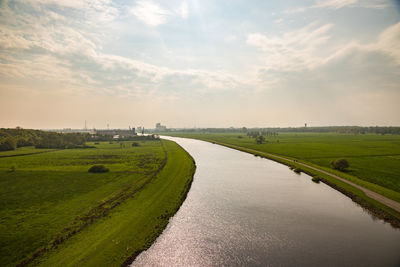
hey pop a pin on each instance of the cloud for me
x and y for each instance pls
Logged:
(389, 42)
(184, 10)
(54, 47)
(335, 4)
(150, 13)
(153, 14)
(67, 56)
(338, 4)
(293, 50)
(304, 48)
(354, 83)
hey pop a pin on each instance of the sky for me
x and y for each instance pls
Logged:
(199, 63)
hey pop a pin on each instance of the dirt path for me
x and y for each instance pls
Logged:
(382, 199)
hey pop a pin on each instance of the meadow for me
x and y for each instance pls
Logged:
(374, 159)
(53, 211)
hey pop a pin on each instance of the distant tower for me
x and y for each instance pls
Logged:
(305, 125)
(85, 125)
(108, 126)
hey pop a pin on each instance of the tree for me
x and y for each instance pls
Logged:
(253, 134)
(8, 143)
(340, 164)
(260, 139)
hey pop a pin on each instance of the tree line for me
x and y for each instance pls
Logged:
(12, 138)
(325, 129)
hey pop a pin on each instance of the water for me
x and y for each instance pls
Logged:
(246, 211)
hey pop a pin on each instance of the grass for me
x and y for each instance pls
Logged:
(51, 203)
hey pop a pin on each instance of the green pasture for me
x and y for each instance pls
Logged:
(51, 195)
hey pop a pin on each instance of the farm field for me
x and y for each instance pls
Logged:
(372, 158)
(50, 203)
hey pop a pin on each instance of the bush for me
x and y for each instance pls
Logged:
(340, 164)
(298, 170)
(98, 168)
(316, 179)
(135, 144)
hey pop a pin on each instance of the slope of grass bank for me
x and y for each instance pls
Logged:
(51, 204)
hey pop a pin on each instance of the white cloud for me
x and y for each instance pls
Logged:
(335, 4)
(338, 4)
(389, 41)
(291, 51)
(150, 13)
(57, 46)
(303, 48)
(45, 46)
(357, 84)
(184, 10)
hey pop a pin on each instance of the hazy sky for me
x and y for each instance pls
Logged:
(203, 63)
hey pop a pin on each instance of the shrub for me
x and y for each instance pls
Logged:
(298, 170)
(135, 144)
(316, 179)
(340, 164)
(98, 168)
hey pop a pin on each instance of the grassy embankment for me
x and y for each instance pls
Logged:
(51, 207)
(374, 159)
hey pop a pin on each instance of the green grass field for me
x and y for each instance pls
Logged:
(375, 159)
(51, 203)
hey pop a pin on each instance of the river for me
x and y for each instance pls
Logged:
(247, 211)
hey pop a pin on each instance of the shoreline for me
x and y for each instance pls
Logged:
(372, 206)
(168, 216)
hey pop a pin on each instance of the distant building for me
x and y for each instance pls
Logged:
(69, 130)
(160, 127)
(117, 132)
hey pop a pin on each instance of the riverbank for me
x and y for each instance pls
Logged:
(244, 210)
(92, 219)
(368, 202)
